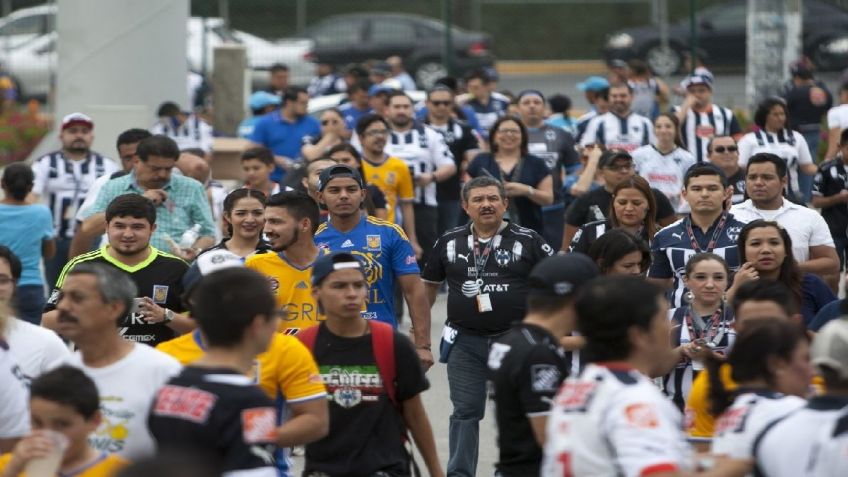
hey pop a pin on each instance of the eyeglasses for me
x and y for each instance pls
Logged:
(377, 133)
(723, 149)
(441, 103)
(513, 132)
(329, 121)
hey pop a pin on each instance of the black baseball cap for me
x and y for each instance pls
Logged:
(339, 170)
(327, 264)
(609, 156)
(561, 275)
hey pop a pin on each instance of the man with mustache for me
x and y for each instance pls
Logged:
(63, 178)
(130, 223)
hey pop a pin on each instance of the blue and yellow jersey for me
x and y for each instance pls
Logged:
(384, 251)
(292, 287)
(106, 465)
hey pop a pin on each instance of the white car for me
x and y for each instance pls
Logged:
(28, 49)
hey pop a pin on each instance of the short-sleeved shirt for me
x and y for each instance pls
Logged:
(595, 205)
(423, 150)
(513, 253)
(837, 117)
(487, 114)
(36, 349)
(292, 287)
(555, 146)
(219, 414)
(787, 144)
(192, 133)
(351, 114)
(699, 128)
(745, 419)
(385, 253)
(282, 137)
(700, 421)
(615, 132)
(806, 104)
(527, 366)
(159, 276)
(460, 139)
(815, 294)
(830, 180)
(737, 181)
(530, 170)
(392, 176)
(365, 426)
(14, 394)
(24, 230)
(186, 206)
(64, 184)
(665, 172)
(831, 448)
(106, 465)
(589, 233)
(672, 247)
(612, 420)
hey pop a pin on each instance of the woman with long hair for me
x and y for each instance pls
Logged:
(526, 178)
(244, 215)
(664, 163)
(633, 210)
(770, 363)
(705, 321)
(765, 251)
(28, 232)
(333, 133)
(620, 253)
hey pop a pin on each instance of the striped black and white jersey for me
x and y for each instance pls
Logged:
(789, 145)
(699, 128)
(616, 132)
(192, 133)
(64, 183)
(745, 419)
(424, 150)
(583, 122)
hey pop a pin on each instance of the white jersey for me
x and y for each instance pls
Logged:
(786, 448)
(64, 183)
(36, 349)
(698, 129)
(192, 133)
(14, 397)
(787, 144)
(665, 172)
(837, 117)
(424, 150)
(830, 451)
(613, 421)
(614, 132)
(127, 389)
(739, 425)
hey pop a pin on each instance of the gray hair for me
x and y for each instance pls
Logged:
(112, 283)
(482, 181)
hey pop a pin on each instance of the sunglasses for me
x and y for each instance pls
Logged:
(723, 149)
(441, 103)
(329, 121)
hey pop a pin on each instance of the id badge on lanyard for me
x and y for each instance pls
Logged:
(484, 301)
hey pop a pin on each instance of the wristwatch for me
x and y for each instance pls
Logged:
(169, 316)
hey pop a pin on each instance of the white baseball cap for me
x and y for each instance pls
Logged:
(830, 347)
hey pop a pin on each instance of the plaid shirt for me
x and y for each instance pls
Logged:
(187, 205)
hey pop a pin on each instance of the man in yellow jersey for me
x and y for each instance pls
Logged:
(286, 371)
(64, 406)
(754, 300)
(291, 219)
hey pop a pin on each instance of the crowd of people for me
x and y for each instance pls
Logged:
(605, 276)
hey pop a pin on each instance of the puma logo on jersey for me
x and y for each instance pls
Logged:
(677, 235)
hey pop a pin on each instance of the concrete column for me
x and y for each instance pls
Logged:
(774, 42)
(229, 88)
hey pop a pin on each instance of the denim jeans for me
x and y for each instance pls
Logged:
(30, 303)
(53, 267)
(467, 373)
(805, 182)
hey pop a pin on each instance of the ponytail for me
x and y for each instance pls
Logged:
(18, 180)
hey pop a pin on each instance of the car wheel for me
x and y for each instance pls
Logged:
(663, 61)
(428, 72)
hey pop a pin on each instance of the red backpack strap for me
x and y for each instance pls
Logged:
(307, 336)
(383, 344)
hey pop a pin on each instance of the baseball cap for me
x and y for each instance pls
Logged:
(209, 262)
(531, 92)
(339, 170)
(608, 157)
(617, 63)
(327, 264)
(696, 79)
(77, 118)
(260, 99)
(491, 73)
(561, 275)
(376, 89)
(830, 347)
(593, 83)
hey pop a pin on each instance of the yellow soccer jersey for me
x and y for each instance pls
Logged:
(292, 287)
(393, 178)
(107, 465)
(286, 369)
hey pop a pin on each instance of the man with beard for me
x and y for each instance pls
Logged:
(284, 132)
(291, 219)
(94, 299)
(620, 128)
(181, 202)
(130, 223)
(63, 178)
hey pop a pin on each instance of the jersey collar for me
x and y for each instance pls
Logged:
(827, 403)
(154, 252)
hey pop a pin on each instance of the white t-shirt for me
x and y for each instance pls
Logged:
(36, 349)
(739, 425)
(14, 397)
(806, 227)
(837, 117)
(127, 389)
(613, 421)
(665, 172)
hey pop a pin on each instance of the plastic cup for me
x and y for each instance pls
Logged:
(48, 466)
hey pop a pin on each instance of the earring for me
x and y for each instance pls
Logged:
(688, 297)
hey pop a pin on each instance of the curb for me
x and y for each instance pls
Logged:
(588, 67)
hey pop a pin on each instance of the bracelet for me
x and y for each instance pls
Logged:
(427, 347)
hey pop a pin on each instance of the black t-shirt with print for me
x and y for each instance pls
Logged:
(366, 430)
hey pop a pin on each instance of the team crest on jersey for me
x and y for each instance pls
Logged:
(160, 293)
(550, 135)
(502, 258)
(324, 247)
(733, 232)
(373, 242)
(372, 267)
(391, 178)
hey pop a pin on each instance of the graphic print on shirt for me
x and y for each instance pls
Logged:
(112, 433)
(350, 385)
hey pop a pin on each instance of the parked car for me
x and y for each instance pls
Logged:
(722, 35)
(419, 40)
(28, 49)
